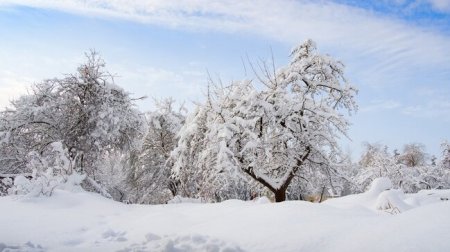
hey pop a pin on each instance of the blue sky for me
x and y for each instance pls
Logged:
(396, 52)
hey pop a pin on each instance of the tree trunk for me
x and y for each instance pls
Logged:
(321, 194)
(280, 195)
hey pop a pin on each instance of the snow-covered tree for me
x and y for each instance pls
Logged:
(271, 129)
(445, 162)
(373, 155)
(320, 181)
(413, 155)
(377, 162)
(148, 178)
(85, 112)
(194, 163)
(111, 171)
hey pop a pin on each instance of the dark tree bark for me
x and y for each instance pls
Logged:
(279, 193)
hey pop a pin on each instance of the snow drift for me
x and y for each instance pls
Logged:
(81, 221)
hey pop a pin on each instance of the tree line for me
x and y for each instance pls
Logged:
(276, 135)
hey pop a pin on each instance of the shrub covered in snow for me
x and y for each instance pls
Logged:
(51, 169)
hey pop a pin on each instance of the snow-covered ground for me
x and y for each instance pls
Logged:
(374, 221)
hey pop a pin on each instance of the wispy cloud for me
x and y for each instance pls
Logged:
(437, 108)
(440, 5)
(429, 103)
(432, 109)
(404, 58)
(390, 43)
(381, 105)
(414, 6)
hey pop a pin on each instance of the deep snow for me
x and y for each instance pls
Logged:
(377, 220)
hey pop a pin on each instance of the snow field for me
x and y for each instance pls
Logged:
(81, 221)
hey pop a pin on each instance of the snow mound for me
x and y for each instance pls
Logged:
(379, 185)
(81, 221)
(178, 199)
(392, 201)
(111, 235)
(262, 200)
(381, 197)
(367, 199)
(182, 243)
(73, 183)
(22, 185)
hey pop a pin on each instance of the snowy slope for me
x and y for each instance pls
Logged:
(81, 221)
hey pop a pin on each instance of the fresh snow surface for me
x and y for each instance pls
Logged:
(377, 220)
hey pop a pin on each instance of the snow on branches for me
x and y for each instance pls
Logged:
(271, 131)
(85, 112)
(148, 177)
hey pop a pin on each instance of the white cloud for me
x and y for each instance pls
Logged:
(380, 50)
(416, 5)
(388, 42)
(12, 86)
(433, 109)
(440, 5)
(437, 108)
